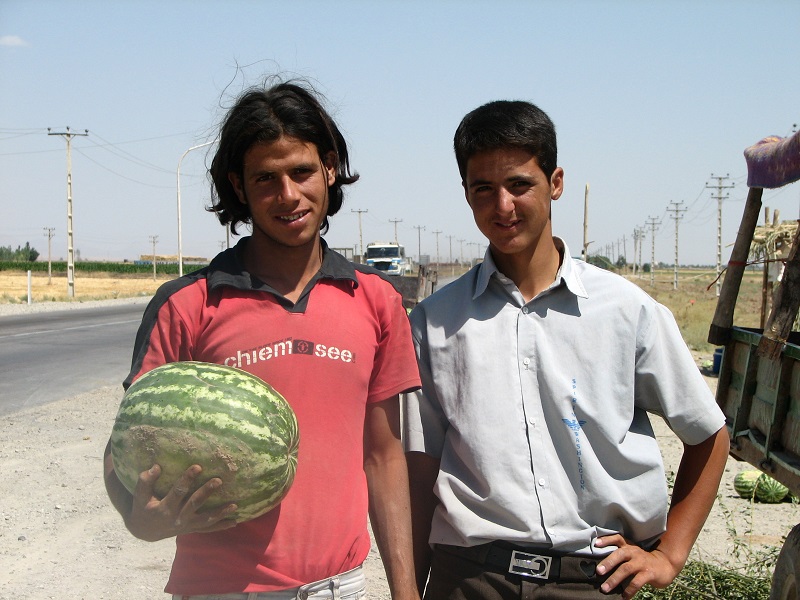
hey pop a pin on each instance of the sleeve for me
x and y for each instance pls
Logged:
(668, 381)
(395, 368)
(424, 421)
(163, 337)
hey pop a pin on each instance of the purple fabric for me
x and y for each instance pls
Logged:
(773, 162)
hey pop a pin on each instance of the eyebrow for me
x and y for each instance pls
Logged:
(510, 179)
(309, 165)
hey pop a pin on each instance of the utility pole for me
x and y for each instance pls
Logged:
(677, 217)
(48, 231)
(395, 221)
(719, 198)
(461, 253)
(635, 249)
(419, 229)
(625, 251)
(360, 237)
(474, 244)
(436, 233)
(452, 265)
(154, 241)
(654, 223)
(586, 241)
(641, 243)
(68, 135)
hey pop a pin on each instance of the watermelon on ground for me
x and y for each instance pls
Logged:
(745, 483)
(769, 490)
(230, 422)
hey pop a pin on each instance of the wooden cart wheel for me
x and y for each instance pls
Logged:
(786, 579)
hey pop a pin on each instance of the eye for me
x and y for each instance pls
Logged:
(520, 187)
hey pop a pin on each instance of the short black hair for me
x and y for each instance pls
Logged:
(507, 124)
(262, 115)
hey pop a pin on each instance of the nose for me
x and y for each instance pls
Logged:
(504, 203)
(289, 191)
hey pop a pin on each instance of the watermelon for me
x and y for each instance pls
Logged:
(769, 490)
(230, 422)
(745, 483)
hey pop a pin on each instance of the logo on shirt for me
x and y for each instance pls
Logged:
(288, 347)
(576, 426)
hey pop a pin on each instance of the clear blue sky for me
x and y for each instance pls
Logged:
(649, 99)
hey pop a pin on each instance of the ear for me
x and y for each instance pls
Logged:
(330, 163)
(557, 183)
(236, 183)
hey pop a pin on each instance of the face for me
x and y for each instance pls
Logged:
(510, 197)
(285, 184)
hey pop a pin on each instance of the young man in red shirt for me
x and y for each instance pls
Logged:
(332, 337)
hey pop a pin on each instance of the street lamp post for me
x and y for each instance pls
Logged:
(180, 241)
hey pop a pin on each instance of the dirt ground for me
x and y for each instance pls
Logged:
(60, 537)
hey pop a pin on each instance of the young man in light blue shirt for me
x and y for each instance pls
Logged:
(535, 472)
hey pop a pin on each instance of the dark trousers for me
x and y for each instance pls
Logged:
(466, 574)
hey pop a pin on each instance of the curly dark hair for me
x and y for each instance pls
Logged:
(262, 115)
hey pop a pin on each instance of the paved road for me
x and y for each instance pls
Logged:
(54, 355)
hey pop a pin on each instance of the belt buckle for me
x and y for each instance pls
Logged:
(530, 565)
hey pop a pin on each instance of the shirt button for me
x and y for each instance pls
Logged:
(526, 361)
(524, 310)
(541, 481)
(532, 421)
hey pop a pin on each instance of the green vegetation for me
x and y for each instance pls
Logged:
(126, 268)
(22, 254)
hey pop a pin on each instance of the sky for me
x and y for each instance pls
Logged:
(651, 101)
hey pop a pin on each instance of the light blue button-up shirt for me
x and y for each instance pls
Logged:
(538, 410)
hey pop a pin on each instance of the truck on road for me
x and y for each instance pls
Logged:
(389, 257)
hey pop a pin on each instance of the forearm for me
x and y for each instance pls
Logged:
(120, 497)
(422, 473)
(389, 509)
(693, 496)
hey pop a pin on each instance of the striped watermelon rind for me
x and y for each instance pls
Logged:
(233, 424)
(770, 491)
(745, 483)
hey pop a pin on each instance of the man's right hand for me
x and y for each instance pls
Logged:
(152, 519)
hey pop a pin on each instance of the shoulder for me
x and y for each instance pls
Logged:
(187, 284)
(603, 283)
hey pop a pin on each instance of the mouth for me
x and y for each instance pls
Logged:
(507, 224)
(293, 217)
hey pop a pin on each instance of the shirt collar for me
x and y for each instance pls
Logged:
(227, 268)
(566, 274)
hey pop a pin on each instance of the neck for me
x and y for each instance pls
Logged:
(287, 269)
(533, 271)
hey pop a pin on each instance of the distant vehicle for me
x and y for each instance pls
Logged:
(388, 257)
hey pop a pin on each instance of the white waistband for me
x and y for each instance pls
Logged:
(345, 586)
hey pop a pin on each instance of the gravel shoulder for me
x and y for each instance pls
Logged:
(61, 538)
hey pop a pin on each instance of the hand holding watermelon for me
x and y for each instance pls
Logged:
(200, 444)
(179, 511)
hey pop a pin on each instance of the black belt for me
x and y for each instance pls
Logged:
(534, 563)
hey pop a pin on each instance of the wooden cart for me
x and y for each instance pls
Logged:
(759, 379)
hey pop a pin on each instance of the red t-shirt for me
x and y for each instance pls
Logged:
(345, 343)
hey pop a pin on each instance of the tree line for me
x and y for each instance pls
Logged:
(26, 253)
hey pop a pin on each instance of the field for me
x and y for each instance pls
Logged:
(96, 286)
